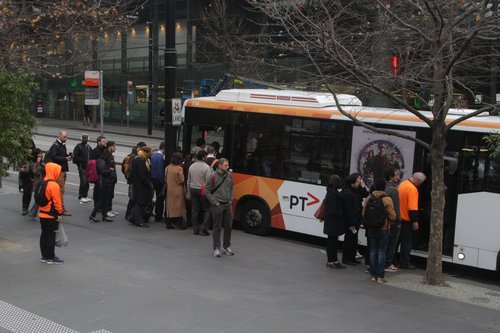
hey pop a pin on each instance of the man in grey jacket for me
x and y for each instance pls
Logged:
(197, 175)
(219, 191)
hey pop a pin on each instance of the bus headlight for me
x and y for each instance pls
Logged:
(461, 256)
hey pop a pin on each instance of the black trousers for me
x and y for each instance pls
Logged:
(331, 248)
(48, 237)
(160, 199)
(406, 243)
(140, 215)
(95, 195)
(100, 205)
(350, 246)
(129, 214)
(200, 211)
(83, 190)
(27, 191)
(110, 197)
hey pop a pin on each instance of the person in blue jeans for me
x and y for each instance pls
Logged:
(379, 236)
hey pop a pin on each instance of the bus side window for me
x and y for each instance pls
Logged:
(472, 169)
(314, 150)
(257, 145)
(493, 177)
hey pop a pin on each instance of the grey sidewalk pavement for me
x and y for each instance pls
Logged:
(108, 129)
(124, 137)
(122, 279)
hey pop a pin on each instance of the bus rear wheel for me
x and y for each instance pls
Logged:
(255, 217)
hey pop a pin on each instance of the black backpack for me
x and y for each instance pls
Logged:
(39, 193)
(375, 214)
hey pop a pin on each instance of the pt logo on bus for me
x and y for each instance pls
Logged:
(303, 201)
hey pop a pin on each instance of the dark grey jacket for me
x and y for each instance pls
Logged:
(224, 193)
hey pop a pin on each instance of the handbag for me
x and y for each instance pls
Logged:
(320, 212)
(61, 237)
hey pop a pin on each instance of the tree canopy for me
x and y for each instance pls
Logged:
(43, 36)
(16, 123)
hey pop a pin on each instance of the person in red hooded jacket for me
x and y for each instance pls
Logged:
(51, 214)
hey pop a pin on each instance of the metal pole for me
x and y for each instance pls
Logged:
(124, 76)
(128, 104)
(156, 72)
(170, 76)
(101, 99)
(150, 78)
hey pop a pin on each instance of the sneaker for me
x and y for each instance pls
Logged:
(83, 200)
(391, 268)
(43, 260)
(115, 212)
(217, 253)
(374, 279)
(227, 251)
(88, 199)
(110, 214)
(55, 261)
(335, 264)
(381, 280)
(24, 212)
(358, 255)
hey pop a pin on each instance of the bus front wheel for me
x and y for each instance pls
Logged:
(255, 217)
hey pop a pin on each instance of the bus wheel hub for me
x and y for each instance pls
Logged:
(253, 218)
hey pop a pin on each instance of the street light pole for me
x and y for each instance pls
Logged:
(170, 76)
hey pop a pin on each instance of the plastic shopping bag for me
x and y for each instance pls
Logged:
(61, 237)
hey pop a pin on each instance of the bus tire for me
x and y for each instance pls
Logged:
(255, 217)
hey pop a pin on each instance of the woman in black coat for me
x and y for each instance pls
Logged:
(334, 224)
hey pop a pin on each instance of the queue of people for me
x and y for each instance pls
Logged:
(155, 189)
(394, 222)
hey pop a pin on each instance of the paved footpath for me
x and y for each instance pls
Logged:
(122, 279)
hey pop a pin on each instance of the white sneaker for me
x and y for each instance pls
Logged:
(358, 255)
(83, 200)
(115, 212)
(217, 253)
(110, 214)
(392, 268)
(88, 199)
(227, 251)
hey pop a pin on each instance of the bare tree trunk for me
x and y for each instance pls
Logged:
(434, 271)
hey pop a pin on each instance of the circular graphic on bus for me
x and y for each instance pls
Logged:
(378, 156)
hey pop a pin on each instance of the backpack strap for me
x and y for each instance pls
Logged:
(214, 163)
(51, 201)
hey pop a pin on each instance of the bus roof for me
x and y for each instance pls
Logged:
(286, 97)
(271, 102)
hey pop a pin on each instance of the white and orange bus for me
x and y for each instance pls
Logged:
(284, 145)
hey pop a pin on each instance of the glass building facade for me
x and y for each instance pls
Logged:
(125, 58)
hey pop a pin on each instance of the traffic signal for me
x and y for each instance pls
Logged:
(395, 63)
